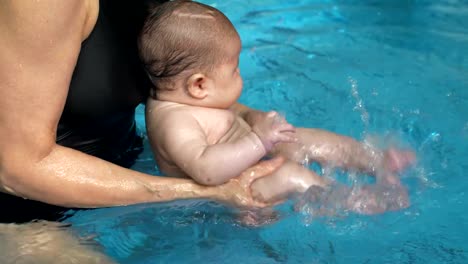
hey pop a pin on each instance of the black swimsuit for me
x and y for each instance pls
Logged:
(107, 84)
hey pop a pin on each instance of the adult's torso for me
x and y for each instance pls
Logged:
(107, 84)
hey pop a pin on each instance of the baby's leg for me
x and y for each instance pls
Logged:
(288, 179)
(386, 195)
(330, 149)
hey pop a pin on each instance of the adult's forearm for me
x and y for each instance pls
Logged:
(69, 178)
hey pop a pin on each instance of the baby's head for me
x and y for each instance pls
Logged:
(192, 49)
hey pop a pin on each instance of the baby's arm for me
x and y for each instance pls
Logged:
(183, 141)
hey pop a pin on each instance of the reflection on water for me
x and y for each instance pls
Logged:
(46, 242)
(389, 72)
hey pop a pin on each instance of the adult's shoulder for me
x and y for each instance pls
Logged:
(39, 46)
(44, 19)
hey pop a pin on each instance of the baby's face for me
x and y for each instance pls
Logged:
(227, 76)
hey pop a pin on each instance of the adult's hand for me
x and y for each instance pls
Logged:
(237, 191)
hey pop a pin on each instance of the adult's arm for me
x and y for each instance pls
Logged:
(39, 48)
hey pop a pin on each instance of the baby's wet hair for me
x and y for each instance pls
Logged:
(181, 37)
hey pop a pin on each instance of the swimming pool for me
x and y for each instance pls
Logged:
(397, 69)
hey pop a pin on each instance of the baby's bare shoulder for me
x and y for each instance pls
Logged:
(166, 112)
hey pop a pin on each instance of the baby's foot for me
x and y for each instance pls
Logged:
(397, 160)
(377, 199)
(323, 201)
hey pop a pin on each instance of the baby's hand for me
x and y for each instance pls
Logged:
(272, 128)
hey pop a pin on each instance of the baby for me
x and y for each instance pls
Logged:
(191, 53)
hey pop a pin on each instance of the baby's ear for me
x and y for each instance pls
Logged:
(198, 85)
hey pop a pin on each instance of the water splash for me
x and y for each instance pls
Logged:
(356, 194)
(431, 138)
(421, 173)
(359, 103)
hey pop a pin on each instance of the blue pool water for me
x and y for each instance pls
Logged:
(396, 70)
